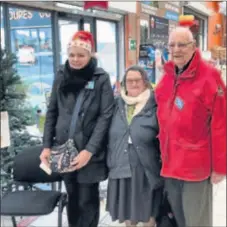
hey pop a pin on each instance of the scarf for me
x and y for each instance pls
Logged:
(135, 104)
(76, 79)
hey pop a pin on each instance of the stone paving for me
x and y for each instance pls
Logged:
(219, 213)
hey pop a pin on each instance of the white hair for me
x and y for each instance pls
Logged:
(184, 30)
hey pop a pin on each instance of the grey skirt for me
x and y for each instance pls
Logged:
(131, 199)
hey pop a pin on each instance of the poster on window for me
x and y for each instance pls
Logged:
(159, 31)
(159, 34)
(147, 60)
(31, 41)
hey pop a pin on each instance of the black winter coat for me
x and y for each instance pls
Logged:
(92, 125)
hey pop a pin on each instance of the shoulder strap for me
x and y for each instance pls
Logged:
(75, 114)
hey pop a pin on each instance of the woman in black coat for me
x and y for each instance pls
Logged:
(81, 72)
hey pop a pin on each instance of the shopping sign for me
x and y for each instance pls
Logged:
(92, 4)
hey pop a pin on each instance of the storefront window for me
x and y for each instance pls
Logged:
(200, 37)
(31, 41)
(107, 47)
(2, 29)
(66, 27)
(144, 31)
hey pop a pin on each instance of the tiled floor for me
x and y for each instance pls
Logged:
(105, 220)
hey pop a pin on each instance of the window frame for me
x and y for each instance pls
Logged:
(203, 18)
(55, 16)
(116, 23)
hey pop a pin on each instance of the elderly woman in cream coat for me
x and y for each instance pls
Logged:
(135, 185)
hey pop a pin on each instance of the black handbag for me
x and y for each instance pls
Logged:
(62, 155)
(166, 217)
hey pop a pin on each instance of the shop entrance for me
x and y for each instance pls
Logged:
(105, 37)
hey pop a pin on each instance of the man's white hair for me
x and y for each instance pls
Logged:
(184, 30)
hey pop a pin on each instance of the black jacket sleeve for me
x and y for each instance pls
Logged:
(103, 121)
(51, 118)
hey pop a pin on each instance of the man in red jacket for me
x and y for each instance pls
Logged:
(191, 99)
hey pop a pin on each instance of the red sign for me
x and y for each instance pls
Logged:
(92, 4)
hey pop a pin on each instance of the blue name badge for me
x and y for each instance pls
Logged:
(90, 85)
(179, 103)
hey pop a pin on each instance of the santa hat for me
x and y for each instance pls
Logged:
(82, 39)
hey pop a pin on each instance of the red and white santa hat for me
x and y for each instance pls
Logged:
(82, 39)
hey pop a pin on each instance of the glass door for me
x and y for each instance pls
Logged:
(69, 25)
(66, 30)
(88, 24)
(107, 47)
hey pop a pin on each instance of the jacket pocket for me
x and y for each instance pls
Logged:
(191, 146)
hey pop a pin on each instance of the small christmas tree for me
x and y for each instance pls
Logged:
(12, 99)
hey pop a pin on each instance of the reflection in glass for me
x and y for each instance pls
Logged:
(107, 47)
(144, 26)
(87, 27)
(31, 41)
(2, 29)
(66, 30)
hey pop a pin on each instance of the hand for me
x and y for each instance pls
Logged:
(216, 178)
(81, 160)
(45, 156)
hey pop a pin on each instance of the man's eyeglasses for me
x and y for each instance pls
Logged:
(179, 45)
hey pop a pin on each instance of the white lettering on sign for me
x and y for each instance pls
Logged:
(26, 15)
(20, 14)
(149, 9)
(172, 8)
(45, 15)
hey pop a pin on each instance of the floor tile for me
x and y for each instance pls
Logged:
(48, 220)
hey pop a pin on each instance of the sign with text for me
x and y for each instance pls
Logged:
(159, 31)
(169, 6)
(172, 16)
(23, 18)
(148, 9)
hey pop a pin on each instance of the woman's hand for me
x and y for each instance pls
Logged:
(81, 160)
(45, 156)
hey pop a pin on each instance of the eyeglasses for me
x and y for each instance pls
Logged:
(131, 81)
(179, 45)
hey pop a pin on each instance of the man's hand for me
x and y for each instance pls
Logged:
(45, 156)
(216, 178)
(81, 160)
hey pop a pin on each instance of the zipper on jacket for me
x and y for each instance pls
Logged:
(170, 114)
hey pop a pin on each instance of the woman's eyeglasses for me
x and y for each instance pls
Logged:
(131, 81)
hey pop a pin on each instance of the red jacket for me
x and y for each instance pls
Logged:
(192, 118)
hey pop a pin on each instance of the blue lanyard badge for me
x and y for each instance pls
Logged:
(179, 103)
(90, 85)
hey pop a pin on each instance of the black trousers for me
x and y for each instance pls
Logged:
(83, 203)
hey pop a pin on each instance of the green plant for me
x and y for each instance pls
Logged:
(13, 100)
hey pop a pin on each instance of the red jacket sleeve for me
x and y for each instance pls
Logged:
(218, 126)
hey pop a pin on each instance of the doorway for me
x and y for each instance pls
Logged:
(69, 25)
